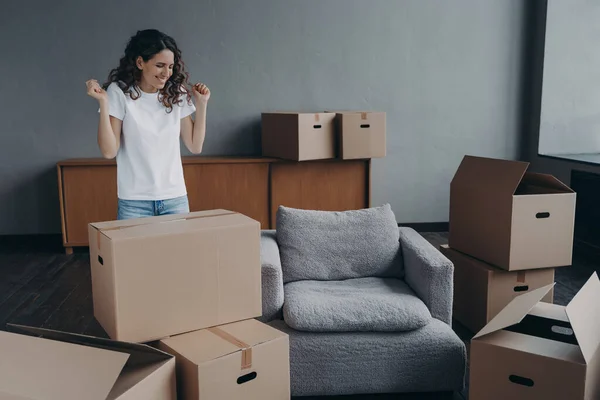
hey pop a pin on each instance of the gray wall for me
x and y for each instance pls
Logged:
(570, 114)
(446, 72)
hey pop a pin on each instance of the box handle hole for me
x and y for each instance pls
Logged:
(561, 330)
(521, 288)
(317, 126)
(365, 126)
(100, 260)
(246, 378)
(519, 380)
(541, 215)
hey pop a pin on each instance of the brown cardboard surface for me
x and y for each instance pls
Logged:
(509, 217)
(165, 276)
(495, 372)
(514, 311)
(583, 312)
(361, 134)
(213, 366)
(481, 290)
(56, 365)
(298, 136)
(541, 351)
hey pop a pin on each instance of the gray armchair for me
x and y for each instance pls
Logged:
(356, 328)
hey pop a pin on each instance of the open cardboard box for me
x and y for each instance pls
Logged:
(242, 360)
(42, 364)
(160, 276)
(509, 217)
(535, 350)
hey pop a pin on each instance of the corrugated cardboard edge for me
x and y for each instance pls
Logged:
(583, 312)
(515, 311)
(84, 340)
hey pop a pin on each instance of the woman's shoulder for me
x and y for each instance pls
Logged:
(114, 89)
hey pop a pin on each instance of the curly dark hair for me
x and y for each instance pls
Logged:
(146, 44)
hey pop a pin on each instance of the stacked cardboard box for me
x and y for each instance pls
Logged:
(178, 296)
(302, 136)
(509, 229)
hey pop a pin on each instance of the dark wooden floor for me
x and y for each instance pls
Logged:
(46, 288)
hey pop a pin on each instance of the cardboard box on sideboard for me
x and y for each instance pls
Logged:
(536, 350)
(242, 360)
(509, 217)
(361, 134)
(42, 364)
(481, 291)
(160, 276)
(298, 136)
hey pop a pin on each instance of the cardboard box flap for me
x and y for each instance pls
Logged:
(252, 332)
(514, 312)
(138, 353)
(498, 178)
(40, 369)
(535, 183)
(200, 346)
(584, 315)
(181, 225)
(120, 224)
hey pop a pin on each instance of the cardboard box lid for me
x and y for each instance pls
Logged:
(583, 313)
(546, 181)
(106, 225)
(475, 172)
(499, 178)
(54, 365)
(212, 343)
(171, 224)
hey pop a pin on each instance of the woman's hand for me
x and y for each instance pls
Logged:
(94, 90)
(201, 93)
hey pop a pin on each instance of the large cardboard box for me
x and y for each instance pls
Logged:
(43, 364)
(509, 217)
(298, 136)
(535, 350)
(242, 360)
(160, 276)
(361, 134)
(481, 291)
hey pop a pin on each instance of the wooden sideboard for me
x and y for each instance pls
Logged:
(254, 186)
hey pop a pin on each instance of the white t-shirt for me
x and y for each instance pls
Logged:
(149, 158)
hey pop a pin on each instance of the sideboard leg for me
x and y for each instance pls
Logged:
(68, 250)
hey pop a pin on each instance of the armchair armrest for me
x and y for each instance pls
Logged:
(272, 277)
(429, 273)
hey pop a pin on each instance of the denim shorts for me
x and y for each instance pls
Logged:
(128, 209)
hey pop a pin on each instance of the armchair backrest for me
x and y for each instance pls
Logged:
(338, 245)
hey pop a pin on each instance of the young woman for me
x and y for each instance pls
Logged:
(145, 108)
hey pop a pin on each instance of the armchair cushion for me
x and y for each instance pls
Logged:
(338, 245)
(361, 304)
